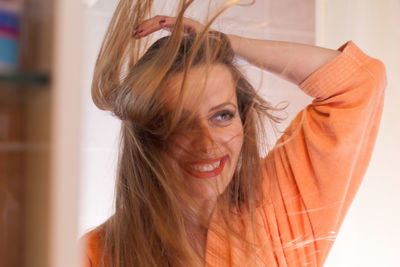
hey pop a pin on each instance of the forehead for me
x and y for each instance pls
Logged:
(204, 86)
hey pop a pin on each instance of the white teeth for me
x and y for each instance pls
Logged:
(205, 167)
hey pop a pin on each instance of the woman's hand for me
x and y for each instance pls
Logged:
(164, 22)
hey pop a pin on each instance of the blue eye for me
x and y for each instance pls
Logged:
(222, 117)
(225, 115)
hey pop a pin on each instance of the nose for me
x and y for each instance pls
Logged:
(202, 140)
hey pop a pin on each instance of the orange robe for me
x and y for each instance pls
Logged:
(319, 169)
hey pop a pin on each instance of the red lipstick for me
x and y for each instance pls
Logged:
(205, 174)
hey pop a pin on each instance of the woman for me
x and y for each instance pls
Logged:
(191, 189)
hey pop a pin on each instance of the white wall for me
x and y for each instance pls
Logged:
(99, 131)
(370, 234)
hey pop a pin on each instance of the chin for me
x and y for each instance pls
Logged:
(205, 193)
(208, 189)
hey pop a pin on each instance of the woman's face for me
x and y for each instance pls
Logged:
(206, 154)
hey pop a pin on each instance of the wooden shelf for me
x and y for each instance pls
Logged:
(25, 79)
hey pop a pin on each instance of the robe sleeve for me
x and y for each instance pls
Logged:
(320, 160)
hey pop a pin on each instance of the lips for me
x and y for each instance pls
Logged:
(205, 169)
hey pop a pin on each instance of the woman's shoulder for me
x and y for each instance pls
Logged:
(93, 237)
(92, 245)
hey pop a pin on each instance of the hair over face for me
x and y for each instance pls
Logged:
(151, 221)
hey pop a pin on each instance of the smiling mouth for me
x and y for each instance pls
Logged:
(207, 169)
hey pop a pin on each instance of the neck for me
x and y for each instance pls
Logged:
(204, 210)
(198, 230)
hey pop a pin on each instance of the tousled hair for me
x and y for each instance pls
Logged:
(151, 221)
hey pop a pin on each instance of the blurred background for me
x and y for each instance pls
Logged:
(58, 152)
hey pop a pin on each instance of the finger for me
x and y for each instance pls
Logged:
(152, 25)
(164, 22)
(189, 25)
(167, 23)
(147, 27)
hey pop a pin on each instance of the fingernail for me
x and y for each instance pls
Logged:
(162, 21)
(137, 32)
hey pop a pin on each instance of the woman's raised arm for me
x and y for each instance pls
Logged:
(292, 61)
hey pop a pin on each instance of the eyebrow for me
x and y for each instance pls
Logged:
(186, 113)
(222, 105)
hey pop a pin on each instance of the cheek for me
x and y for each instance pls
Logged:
(234, 137)
(177, 147)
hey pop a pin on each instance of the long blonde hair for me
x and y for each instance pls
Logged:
(149, 227)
